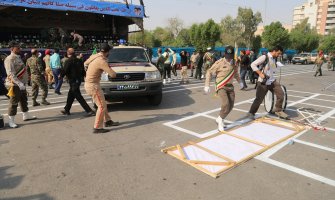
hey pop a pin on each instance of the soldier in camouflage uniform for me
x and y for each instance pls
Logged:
(208, 61)
(37, 78)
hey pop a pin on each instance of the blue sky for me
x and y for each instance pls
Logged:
(196, 11)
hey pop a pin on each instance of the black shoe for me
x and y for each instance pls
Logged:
(35, 103)
(90, 114)
(64, 112)
(45, 102)
(58, 93)
(111, 123)
(50, 87)
(96, 131)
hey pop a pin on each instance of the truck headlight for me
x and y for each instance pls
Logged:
(152, 76)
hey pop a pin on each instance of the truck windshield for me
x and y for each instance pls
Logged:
(121, 55)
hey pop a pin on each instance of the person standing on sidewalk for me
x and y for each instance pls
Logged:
(225, 71)
(97, 64)
(37, 78)
(74, 71)
(17, 78)
(267, 81)
(56, 68)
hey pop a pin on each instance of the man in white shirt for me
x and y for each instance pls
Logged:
(267, 81)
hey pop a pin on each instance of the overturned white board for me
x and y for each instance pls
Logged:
(261, 132)
(223, 151)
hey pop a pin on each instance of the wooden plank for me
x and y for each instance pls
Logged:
(212, 152)
(181, 151)
(246, 139)
(214, 175)
(199, 162)
(274, 122)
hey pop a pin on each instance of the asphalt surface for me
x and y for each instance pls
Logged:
(58, 158)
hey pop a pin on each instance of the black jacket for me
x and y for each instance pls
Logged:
(245, 61)
(183, 59)
(73, 69)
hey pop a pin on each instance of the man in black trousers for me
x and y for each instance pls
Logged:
(74, 70)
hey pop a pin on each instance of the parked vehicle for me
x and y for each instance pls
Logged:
(136, 76)
(313, 57)
(303, 58)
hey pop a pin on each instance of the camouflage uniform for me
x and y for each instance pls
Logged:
(319, 62)
(208, 61)
(37, 79)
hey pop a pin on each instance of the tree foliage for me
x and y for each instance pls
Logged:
(146, 38)
(275, 34)
(175, 25)
(328, 43)
(303, 38)
(204, 35)
(230, 31)
(248, 21)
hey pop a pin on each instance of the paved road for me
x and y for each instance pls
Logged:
(58, 157)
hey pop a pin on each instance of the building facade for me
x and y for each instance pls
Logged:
(320, 14)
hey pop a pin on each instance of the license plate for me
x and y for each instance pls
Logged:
(128, 87)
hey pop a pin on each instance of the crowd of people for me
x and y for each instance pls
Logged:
(48, 72)
(17, 72)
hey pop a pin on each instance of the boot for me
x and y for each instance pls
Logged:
(27, 117)
(11, 122)
(35, 103)
(220, 123)
(45, 102)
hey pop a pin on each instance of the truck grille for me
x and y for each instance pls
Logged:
(121, 77)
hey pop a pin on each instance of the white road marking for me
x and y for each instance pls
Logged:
(315, 145)
(310, 93)
(297, 170)
(303, 100)
(326, 115)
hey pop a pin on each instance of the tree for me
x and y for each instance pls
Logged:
(230, 31)
(183, 39)
(248, 21)
(163, 35)
(303, 38)
(328, 43)
(175, 26)
(275, 34)
(148, 39)
(204, 35)
(257, 43)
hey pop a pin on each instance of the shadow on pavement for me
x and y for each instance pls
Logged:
(32, 197)
(170, 100)
(7, 181)
(148, 119)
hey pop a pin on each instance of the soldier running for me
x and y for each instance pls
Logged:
(224, 70)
